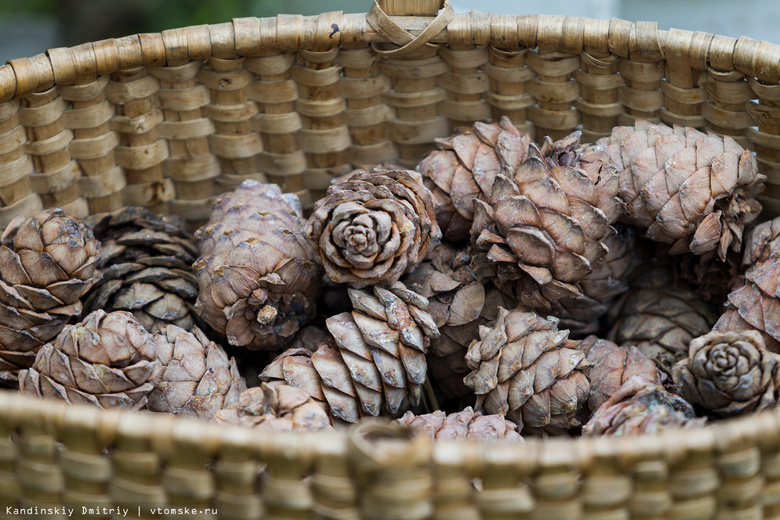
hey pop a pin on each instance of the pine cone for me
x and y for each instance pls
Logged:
(729, 373)
(762, 242)
(640, 407)
(660, 317)
(542, 230)
(612, 366)
(691, 190)
(373, 227)
(98, 361)
(601, 288)
(464, 167)
(196, 378)
(146, 266)
(280, 408)
(464, 425)
(526, 369)
(378, 361)
(257, 275)
(48, 262)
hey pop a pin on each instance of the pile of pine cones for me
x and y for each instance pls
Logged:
(504, 288)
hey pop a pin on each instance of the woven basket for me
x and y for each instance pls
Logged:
(170, 120)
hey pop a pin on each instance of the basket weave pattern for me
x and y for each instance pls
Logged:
(170, 120)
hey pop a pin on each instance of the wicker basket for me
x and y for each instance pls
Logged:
(170, 120)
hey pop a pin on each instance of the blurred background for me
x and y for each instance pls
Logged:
(28, 27)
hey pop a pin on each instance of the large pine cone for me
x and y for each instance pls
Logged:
(49, 261)
(464, 167)
(464, 425)
(377, 362)
(146, 264)
(544, 225)
(639, 407)
(729, 373)
(280, 408)
(660, 317)
(692, 190)
(99, 361)
(258, 277)
(527, 370)
(196, 378)
(373, 227)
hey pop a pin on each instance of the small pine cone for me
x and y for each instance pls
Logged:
(660, 317)
(196, 378)
(373, 227)
(463, 168)
(377, 362)
(729, 373)
(612, 366)
(464, 425)
(258, 277)
(601, 288)
(98, 361)
(280, 408)
(762, 242)
(527, 370)
(49, 261)
(689, 189)
(640, 407)
(146, 264)
(543, 228)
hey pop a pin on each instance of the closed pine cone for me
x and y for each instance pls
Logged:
(689, 189)
(49, 261)
(463, 425)
(146, 268)
(258, 277)
(103, 361)
(524, 368)
(278, 407)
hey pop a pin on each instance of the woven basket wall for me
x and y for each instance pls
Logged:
(170, 120)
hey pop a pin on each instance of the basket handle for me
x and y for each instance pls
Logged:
(384, 24)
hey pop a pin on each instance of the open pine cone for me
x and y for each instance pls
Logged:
(373, 227)
(463, 425)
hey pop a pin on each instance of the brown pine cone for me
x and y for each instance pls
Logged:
(543, 228)
(729, 373)
(196, 378)
(660, 317)
(463, 168)
(377, 362)
(279, 407)
(691, 190)
(640, 407)
(146, 264)
(762, 242)
(527, 370)
(49, 261)
(464, 425)
(612, 366)
(373, 227)
(258, 277)
(99, 361)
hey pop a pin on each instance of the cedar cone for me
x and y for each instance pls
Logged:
(378, 360)
(373, 227)
(543, 227)
(526, 369)
(761, 243)
(463, 168)
(280, 408)
(196, 378)
(729, 373)
(464, 425)
(103, 361)
(146, 264)
(638, 407)
(660, 317)
(49, 261)
(689, 189)
(257, 275)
